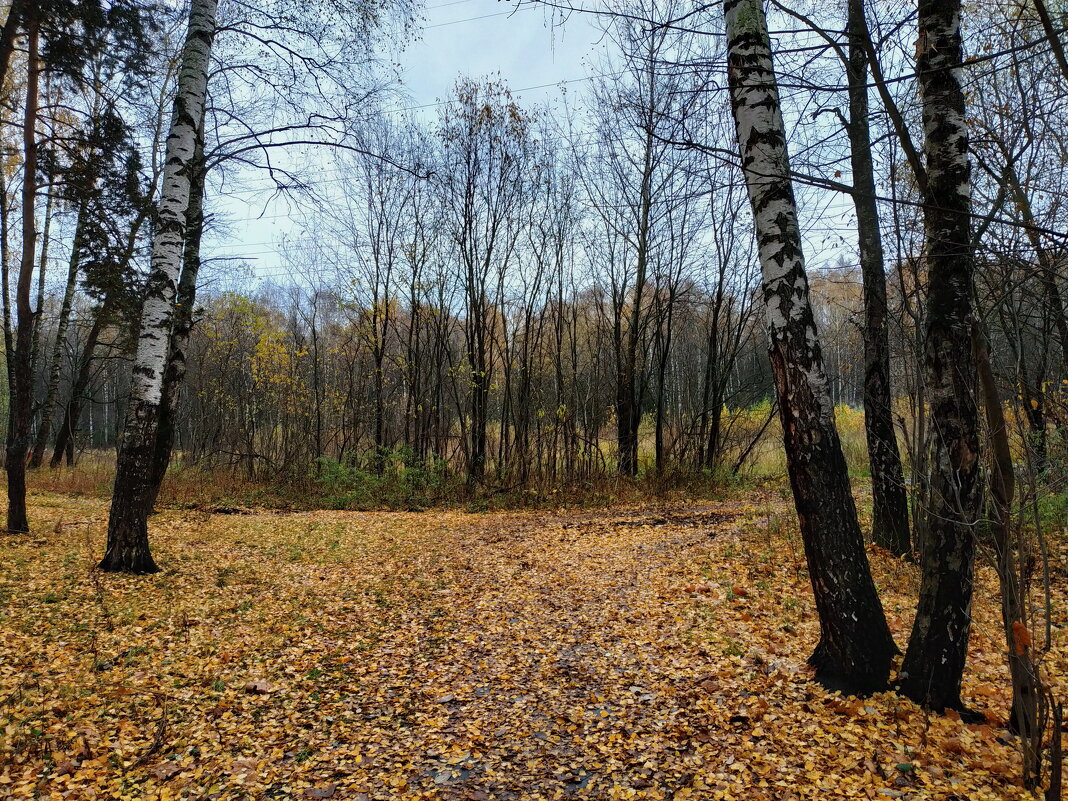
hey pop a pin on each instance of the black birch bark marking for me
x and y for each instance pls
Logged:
(127, 546)
(855, 646)
(938, 647)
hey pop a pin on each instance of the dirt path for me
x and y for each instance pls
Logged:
(552, 666)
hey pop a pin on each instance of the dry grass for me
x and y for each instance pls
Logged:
(94, 473)
(202, 486)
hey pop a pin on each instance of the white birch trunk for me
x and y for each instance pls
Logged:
(127, 548)
(147, 383)
(855, 645)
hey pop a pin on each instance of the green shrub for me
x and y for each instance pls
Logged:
(387, 479)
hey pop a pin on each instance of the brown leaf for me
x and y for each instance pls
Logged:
(165, 770)
(66, 767)
(953, 745)
(244, 766)
(327, 791)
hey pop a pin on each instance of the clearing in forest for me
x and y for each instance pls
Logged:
(655, 652)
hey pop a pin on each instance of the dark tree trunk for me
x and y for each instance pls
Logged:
(8, 34)
(317, 388)
(21, 390)
(5, 279)
(715, 425)
(661, 383)
(934, 662)
(1026, 685)
(628, 406)
(855, 646)
(890, 515)
(1035, 409)
(712, 393)
(73, 414)
(479, 395)
(1032, 393)
(380, 409)
(54, 369)
(42, 272)
(626, 431)
(1053, 36)
(1044, 256)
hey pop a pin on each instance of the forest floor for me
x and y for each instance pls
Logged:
(654, 652)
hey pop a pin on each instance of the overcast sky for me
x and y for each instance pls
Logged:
(475, 38)
(484, 37)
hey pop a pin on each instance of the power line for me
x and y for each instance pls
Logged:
(482, 16)
(445, 5)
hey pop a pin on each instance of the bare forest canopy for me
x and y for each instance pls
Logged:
(758, 241)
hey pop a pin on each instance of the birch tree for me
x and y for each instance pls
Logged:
(182, 324)
(127, 546)
(938, 647)
(855, 646)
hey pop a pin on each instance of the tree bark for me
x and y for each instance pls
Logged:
(1052, 36)
(1043, 255)
(1026, 685)
(938, 647)
(22, 370)
(73, 412)
(855, 646)
(5, 279)
(128, 547)
(479, 394)
(7, 36)
(42, 268)
(890, 514)
(182, 325)
(628, 402)
(54, 368)
(661, 381)
(712, 388)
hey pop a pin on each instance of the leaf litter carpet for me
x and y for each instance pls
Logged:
(651, 653)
